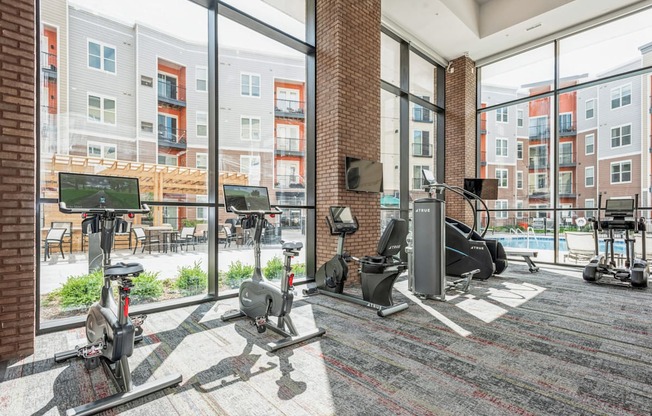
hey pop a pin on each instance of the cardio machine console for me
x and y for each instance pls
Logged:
(619, 215)
(342, 221)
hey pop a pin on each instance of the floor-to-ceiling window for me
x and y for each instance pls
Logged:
(186, 99)
(412, 115)
(563, 126)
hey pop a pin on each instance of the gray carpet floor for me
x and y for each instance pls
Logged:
(517, 344)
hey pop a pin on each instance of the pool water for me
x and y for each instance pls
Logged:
(547, 243)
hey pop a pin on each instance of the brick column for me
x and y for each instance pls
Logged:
(17, 178)
(348, 117)
(460, 133)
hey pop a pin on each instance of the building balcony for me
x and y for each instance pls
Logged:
(483, 158)
(289, 146)
(171, 94)
(567, 129)
(567, 159)
(173, 138)
(422, 150)
(49, 66)
(538, 163)
(538, 193)
(567, 193)
(539, 132)
(289, 182)
(422, 116)
(290, 109)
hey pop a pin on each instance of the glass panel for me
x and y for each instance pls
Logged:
(174, 257)
(422, 78)
(235, 254)
(390, 60)
(389, 149)
(286, 15)
(265, 148)
(609, 49)
(422, 149)
(528, 73)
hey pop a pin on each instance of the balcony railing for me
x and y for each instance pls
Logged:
(49, 65)
(567, 129)
(422, 116)
(290, 109)
(538, 163)
(535, 192)
(288, 146)
(539, 132)
(171, 137)
(567, 159)
(483, 158)
(422, 149)
(289, 181)
(171, 94)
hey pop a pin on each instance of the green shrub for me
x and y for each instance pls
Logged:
(147, 286)
(274, 268)
(299, 270)
(193, 279)
(236, 273)
(82, 290)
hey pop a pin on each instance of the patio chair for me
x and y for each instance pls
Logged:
(54, 236)
(581, 246)
(226, 236)
(201, 232)
(186, 237)
(638, 247)
(67, 234)
(141, 236)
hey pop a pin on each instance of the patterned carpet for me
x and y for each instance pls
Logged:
(525, 344)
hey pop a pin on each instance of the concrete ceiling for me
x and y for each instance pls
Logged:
(482, 28)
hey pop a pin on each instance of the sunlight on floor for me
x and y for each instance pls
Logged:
(513, 295)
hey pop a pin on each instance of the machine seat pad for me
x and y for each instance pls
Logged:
(292, 245)
(373, 264)
(123, 269)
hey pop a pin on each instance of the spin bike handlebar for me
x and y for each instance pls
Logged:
(273, 211)
(63, 208)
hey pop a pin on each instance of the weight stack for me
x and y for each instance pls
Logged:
(429, 248)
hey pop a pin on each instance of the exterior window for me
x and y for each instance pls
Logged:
(421, 145)
(501, 175)
(167, 129)
(519, 205)
(519, 118)
(538, 183)
(421, 114)
(590, 109)
(538, 157)
(101, 109)
(101, 56)
(417, 176)
(565, 183)
(589, 144)
(589, 203)
(589, 176)
(501, 147)
(501, 204)
(101, 150)
(251, 166)
(201, 77)
(621, 172)
(519, 150)
(201, 160)
(519, 180)
(250, 85)
(250, 128)
(202, 212)
(167, 86)
(168, 160)
(566, 123)
(202, 124)
(621, 96)
(621, 136)
(501, 115)
(565, 153)
(146, 127)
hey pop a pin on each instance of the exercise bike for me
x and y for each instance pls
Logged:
(259, 299)
(619, 215)
(377, 273)
(110, 331)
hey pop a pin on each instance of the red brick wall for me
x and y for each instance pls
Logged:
(460, 133)
(348, 116)
(17, 178)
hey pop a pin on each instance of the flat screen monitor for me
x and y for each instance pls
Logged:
(619, 207)
(246, 198)
(428, 177)
(83, 191)
(342, 215)
(484, 188)
(364, 175)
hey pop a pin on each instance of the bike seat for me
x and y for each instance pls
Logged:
(292, 245)
(123, 269)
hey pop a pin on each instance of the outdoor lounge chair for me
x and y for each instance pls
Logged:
(55, 237)
(581, 246)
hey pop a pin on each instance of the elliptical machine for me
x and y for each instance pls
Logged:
(377, 273)
(110, 331)
(619, 215)
(259, 298)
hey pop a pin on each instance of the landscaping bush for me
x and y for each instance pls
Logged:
(236, 273)
(82, 290)
(274, 268)
(299, 270)
(192, 280)
(147, 286)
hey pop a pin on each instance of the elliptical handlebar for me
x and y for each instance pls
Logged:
(273, 211)
(64, 208)
(468, 196)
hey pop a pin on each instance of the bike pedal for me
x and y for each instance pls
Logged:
(91, 351)
(137, 321)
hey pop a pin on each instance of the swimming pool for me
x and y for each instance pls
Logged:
(547, 243)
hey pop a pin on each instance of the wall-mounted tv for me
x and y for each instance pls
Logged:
(363, 175)
(484, 188)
